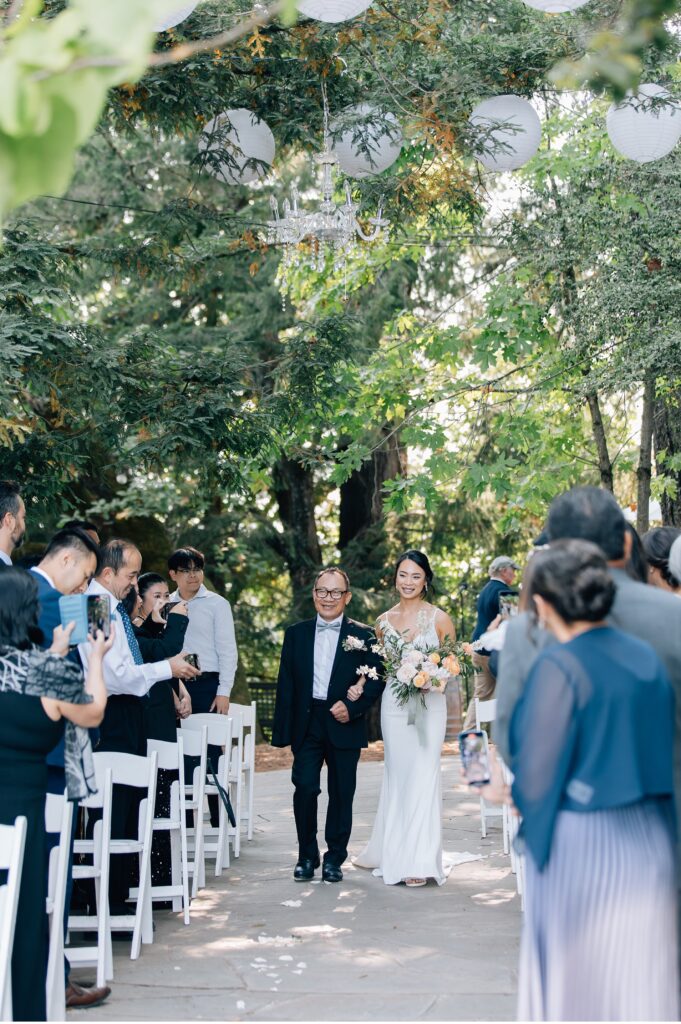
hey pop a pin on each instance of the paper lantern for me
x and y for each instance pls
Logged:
(512, 132)
(175, 17)
(370, 144)
(640, 131)
(241, 136)
(333, 11)
(555, 6)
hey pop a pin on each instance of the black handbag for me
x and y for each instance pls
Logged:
(224, 796)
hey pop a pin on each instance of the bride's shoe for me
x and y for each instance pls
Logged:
(414, 883)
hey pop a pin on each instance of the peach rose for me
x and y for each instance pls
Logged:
(420, 680)
(434, 657)
(451, 663)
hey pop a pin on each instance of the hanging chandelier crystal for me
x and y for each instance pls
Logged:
(329, 230)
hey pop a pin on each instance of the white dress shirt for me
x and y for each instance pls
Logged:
(4, 557)
(121, 674)
(210, 634)
(41, 572)
(325, 647)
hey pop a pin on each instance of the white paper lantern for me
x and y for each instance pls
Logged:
(175, 17)
(242, 136)
(370, 130)
(333, 11)
(640, 131)
(512, 132)
(555, 6)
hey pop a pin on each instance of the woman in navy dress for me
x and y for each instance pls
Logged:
(591, 744)
(42, 697)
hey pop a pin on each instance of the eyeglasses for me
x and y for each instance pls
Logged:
(189, 572)
(322, 592)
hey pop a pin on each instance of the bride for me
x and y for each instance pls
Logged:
(406, 841)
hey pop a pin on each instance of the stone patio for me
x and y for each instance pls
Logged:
(261, 947)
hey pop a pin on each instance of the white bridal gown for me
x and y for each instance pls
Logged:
(406, 841)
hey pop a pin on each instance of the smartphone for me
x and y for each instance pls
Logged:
(475, 757)
(193, 659)
(98, 614)
(508, 605)
(165, 610)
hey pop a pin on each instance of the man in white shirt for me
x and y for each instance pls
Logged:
(210, 635)
(128, 680)
(12, 519)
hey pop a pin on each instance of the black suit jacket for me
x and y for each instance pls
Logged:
(294, 686)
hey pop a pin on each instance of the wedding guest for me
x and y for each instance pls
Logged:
(42, 696)
(210, 635)
(596, 799)
(128, 679)
(69, 562)
(12, 519)
(636, 566)
(675, 560)
(86, 525)
(502, 577)
(657, 544)
(160, 637)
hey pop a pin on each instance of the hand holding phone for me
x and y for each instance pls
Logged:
(475, 757)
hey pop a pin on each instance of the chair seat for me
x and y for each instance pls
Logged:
(86, 871)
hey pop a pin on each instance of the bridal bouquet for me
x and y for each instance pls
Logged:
(413, 672)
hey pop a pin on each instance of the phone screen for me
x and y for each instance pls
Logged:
(165, 610)
(98, 614)
(474, 757)
(508, 605)
(193, 659)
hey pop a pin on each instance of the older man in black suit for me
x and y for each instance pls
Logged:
(319, 662)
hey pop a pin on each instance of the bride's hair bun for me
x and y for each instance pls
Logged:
(572, 576)
(420, 559)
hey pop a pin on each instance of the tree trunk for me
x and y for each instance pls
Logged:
(644, 471)
(598, 430)
(294, 491)
(667, 437)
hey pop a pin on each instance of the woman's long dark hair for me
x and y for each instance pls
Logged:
(19, 608)
(420, 559)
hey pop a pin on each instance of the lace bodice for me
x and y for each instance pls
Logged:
(425, 637)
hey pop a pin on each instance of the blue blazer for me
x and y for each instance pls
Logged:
(593, 730)
(49, 617)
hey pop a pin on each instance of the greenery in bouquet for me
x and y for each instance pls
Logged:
(413, 668)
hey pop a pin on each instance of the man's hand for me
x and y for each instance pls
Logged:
(221, 705)
(340, 712)
(181, 669)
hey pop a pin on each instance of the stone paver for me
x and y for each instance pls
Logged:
(261, 947)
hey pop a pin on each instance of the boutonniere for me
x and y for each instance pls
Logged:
(354, 643)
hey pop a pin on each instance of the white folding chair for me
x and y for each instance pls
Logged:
(249, 718)
(12, 840)
(219, 732)
(139, 772)
(58, 818)
(171, 758)
(195, 743)
(486, 711)
(101, 955)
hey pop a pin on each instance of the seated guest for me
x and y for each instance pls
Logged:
(69, 563)
(592, 757)
(210, 635)
(42, 696)
(128, 680)
(657, 544)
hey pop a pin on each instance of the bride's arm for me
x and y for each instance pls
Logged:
(444, 626)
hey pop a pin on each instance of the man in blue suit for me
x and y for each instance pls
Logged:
(67, 567)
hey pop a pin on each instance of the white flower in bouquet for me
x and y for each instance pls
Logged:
(406, 672)
(413, 657)
(367, 670)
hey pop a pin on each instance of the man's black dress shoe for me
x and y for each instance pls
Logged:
(330, 873)
(304, 870)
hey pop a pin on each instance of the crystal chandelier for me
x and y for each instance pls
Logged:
(330, 230)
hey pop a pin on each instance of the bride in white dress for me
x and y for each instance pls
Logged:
(406, 841)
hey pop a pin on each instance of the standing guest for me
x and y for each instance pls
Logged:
(39, 692)
(321, 723)
(657, 544)
(502, 577)
(12, 519)
(158, 638)
(210, 635)
(636, 565)
(86, 525)
(128, 680)
(592, 756)
(69, 563)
